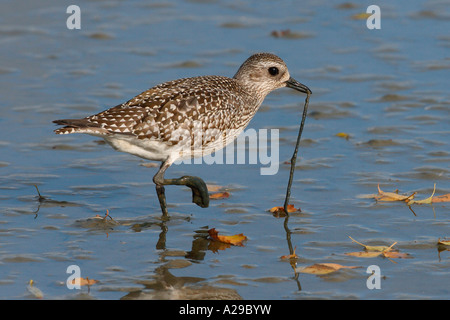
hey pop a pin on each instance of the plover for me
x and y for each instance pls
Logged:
(186, 118)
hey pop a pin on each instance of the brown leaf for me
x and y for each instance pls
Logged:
(290, 256)
(364, 254)
(375, 251)
(444, 242)
(396, 255)
(219, 195)
(290, 208)
(442, 198)
(84, 282)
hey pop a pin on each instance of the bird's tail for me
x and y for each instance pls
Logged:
(78, 126)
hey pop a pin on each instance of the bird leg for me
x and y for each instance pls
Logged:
(200, 194)
(160, 191)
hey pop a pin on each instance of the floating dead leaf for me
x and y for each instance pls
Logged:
(84, 281)
(425, 201)
(36, 292)
(443, 242)
(375, 251)
(396, 255)
(280, 210)
(374, 248)
(235, 240)
(343, 135)
(392, 196)
(290, 256)
(323, 268)
(219, 195)
(431, 199)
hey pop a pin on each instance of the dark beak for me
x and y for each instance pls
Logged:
(294, 84)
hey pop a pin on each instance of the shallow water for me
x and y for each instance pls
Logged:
(387, 89)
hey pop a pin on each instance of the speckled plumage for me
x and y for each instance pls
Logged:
(161, 121)
(188, 117)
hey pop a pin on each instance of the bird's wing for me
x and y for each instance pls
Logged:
(157, 113)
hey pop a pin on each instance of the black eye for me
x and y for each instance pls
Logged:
(273, 71)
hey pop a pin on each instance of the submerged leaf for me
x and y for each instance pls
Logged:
(394, 196)
(396, 255)
(323, 268)
(288, 34)
(364, 254)
(235, 240)
(375, 251)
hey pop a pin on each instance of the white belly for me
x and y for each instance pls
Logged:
(147, 149)
(189, 147)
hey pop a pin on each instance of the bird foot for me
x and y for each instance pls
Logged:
(200, 194)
